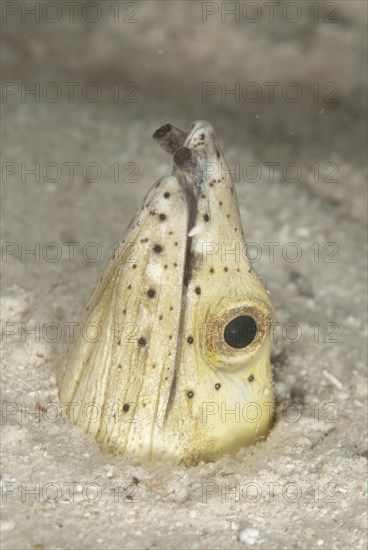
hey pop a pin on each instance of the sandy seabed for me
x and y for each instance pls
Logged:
(305, 486)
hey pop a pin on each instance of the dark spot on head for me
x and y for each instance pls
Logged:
(119, 342)
(119, 366)
(212, 270)
(157, 248)
(87, 308)
(124, 311)
(166, 266)
(134, 266)
(175, 264)
(249, 271)
(151, 293)
(226, 269)
(220, 203)
(190, 340)
(162, 217)
(142, 342)
(250, 378)
(129, 287)
(126, 407)
(206, 218)
(166, 195)
(161, 317)
(201, 136)
(198, 290)
(190, 394)
(217, 386)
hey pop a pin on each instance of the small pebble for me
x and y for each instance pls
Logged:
(181, 495)
(303, 232)
(7, 525)
(249, 535)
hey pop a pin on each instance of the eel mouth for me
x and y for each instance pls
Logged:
(188, 170)
(190, 148)
(187, 163)
(196, 154)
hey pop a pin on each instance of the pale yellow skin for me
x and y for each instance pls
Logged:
(162, 311)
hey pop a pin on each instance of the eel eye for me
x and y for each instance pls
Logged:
(240, 331)
(237, 333)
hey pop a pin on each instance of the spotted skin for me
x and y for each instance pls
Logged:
(180, 369)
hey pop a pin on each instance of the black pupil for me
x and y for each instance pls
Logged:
(240, 332)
